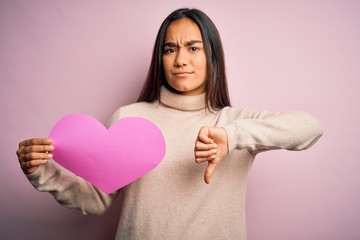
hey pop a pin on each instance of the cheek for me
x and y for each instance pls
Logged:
(167, 69)
(166, 62)
(201, 64)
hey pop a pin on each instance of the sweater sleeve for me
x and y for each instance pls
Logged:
(70, 190)
(259, 131)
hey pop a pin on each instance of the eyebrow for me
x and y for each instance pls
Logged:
(188, 43)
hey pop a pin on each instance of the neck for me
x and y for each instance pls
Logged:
(181, 102)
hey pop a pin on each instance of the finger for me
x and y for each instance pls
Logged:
(33, 163)
(37, 148)
(35, 156)
(199, 146)
(34, 148)
(205, 159)
(203, 136)
(35, 141)
(204, 154)
(209, 171)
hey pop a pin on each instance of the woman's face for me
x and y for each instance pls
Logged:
(184, 58)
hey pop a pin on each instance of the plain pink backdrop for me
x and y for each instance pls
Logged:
(91, 57)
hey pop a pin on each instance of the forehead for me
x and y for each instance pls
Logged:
(183, 29)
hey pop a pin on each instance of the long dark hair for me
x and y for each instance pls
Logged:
(217, 95)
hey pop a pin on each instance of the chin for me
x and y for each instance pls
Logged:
(178, 88)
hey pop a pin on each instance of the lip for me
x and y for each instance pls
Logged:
(182, 74)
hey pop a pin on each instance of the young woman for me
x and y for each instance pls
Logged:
(186, 96)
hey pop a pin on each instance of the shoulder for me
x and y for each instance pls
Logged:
(139, 109)
(135, 107)
(231, 112)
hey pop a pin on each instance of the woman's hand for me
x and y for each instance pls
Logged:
(33, 153)
(211, 146)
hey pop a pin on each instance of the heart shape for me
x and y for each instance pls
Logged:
(107, 158)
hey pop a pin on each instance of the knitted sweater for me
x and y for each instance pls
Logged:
(172, 201)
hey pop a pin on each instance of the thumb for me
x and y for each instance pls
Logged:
(203, 135)
(209, 171)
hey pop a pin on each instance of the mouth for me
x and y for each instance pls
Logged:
(182, 74)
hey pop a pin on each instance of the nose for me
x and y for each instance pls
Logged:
(182, 58)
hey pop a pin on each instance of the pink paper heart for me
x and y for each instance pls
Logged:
(107, 158)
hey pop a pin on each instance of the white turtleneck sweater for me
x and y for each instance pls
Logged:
(172, 201)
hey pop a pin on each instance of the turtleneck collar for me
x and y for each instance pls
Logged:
(181, 102)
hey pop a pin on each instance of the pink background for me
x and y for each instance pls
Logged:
(90, 57)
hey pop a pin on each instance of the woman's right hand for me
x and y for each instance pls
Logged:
(34, 152)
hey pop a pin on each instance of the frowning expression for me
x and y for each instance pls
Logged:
(184, 58)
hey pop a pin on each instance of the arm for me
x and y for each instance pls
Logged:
(256, 132)
(261, 131)
(69, 190)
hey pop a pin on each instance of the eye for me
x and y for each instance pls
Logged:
(194, 49)
(169, 50)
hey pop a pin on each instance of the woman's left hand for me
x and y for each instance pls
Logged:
(211, 146)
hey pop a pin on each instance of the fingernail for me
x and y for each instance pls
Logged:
(50, 155)
(51, 148)
(214, 151)
(214, 145)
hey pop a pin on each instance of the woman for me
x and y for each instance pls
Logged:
(186, 96)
